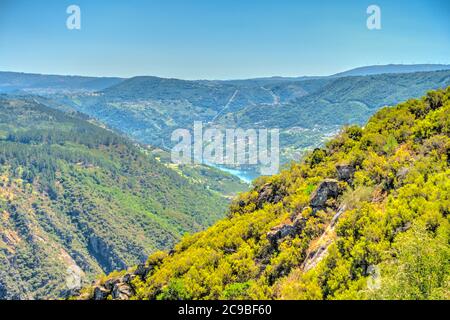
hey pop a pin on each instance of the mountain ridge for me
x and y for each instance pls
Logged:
(36, 81)
(392, 68)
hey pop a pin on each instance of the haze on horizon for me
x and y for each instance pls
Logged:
(219, 39)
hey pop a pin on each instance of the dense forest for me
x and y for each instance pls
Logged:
(78, 198)
(366, 217)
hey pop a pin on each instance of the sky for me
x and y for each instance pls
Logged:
(219, 39)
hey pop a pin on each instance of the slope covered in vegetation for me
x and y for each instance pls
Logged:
(366, 217)
(77, 200)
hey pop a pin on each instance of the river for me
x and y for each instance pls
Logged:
(245, 175)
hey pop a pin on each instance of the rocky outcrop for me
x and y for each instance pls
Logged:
(401, 175)
(345, 172)
(142, 270)
(283, 231)
(299, 222)
(119, 288)
(329, 188)
(279, 233)
(100, 293)
(122, 291)
(269, 193)
(116, 288)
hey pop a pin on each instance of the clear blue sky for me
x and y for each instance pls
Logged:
(219, 39)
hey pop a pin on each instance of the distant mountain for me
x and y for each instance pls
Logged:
(392, 68)
(307, 111)
(43, 83)
(39, 83)
(345, 100)
(361, 71)
(80, 200)
(212, 95)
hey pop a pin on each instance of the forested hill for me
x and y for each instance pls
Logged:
(80, 200)
(365, 217)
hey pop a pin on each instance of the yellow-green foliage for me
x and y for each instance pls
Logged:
(396, 222)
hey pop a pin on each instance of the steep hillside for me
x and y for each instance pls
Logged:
(366, 217)
(77, 200)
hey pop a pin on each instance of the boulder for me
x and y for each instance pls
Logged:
(327, 189)
(345, 172)
(122, 291)
(142, 271)
(268, 193)
(101, 293)
(110, 283)
(299, 223)
(280, 232)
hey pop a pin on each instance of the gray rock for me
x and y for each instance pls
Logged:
(127, 278)
(122, 291)
(101, 293)
(142, 270)
(299, 223)
(329, 188)
(280, 232)
(110, 283)
(345, 172)
(268, 193)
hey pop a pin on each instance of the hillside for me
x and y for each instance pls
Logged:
(366, 217)
(349, 100)
(77, 199)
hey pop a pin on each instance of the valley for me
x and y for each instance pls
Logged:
(88, 186)
(220, 159)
